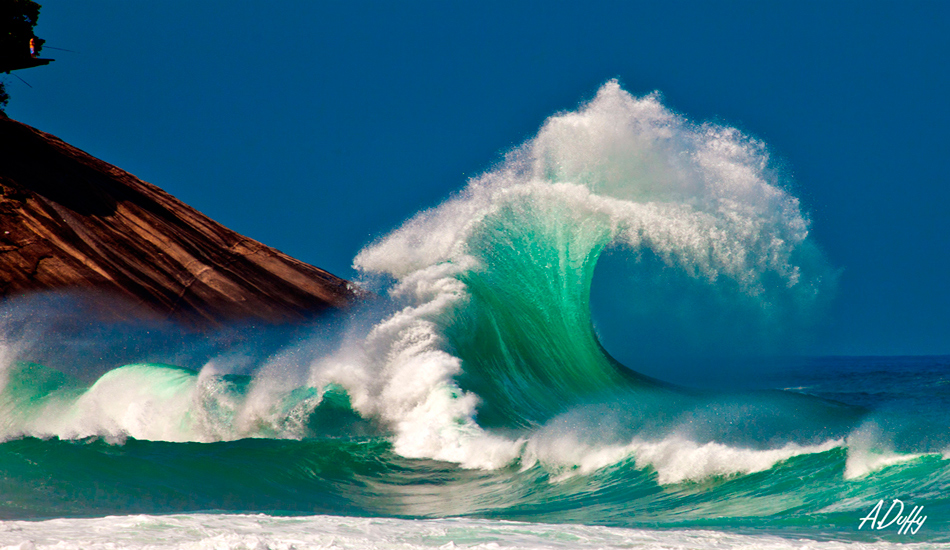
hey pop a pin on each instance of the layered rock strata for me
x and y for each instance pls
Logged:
(71, 221)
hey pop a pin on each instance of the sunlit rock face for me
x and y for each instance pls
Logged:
(71, 221)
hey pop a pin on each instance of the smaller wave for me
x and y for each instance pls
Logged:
(674, 459)
(681, 438)
(157, 402)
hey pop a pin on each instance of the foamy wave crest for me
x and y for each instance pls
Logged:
(401, 374)
(235, 531)
(510, 261)
(675, 459)
(700, 196)
(147, 402)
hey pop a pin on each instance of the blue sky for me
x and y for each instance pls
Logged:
(316, 126)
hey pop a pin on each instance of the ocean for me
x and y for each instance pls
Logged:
(594, 344)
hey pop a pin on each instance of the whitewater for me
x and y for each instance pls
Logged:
(479, 401)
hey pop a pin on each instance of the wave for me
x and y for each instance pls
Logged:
(487, 334)
(482, 365)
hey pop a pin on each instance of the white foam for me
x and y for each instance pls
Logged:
(675, 459)
(157, 403)
(259, 532)
(401, 375)
(862, 462)
(700, 196)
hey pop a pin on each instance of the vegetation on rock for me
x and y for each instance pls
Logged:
(17, 19)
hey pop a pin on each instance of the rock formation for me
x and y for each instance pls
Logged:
(69, 220)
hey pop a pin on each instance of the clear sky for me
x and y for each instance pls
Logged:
(316, 126)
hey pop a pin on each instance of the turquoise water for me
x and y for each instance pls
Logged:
(330, 471)
(478, 385)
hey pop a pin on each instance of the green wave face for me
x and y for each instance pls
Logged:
(525, 336)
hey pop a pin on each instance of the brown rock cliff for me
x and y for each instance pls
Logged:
(69, 220)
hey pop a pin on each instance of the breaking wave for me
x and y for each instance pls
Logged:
(478, 383)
